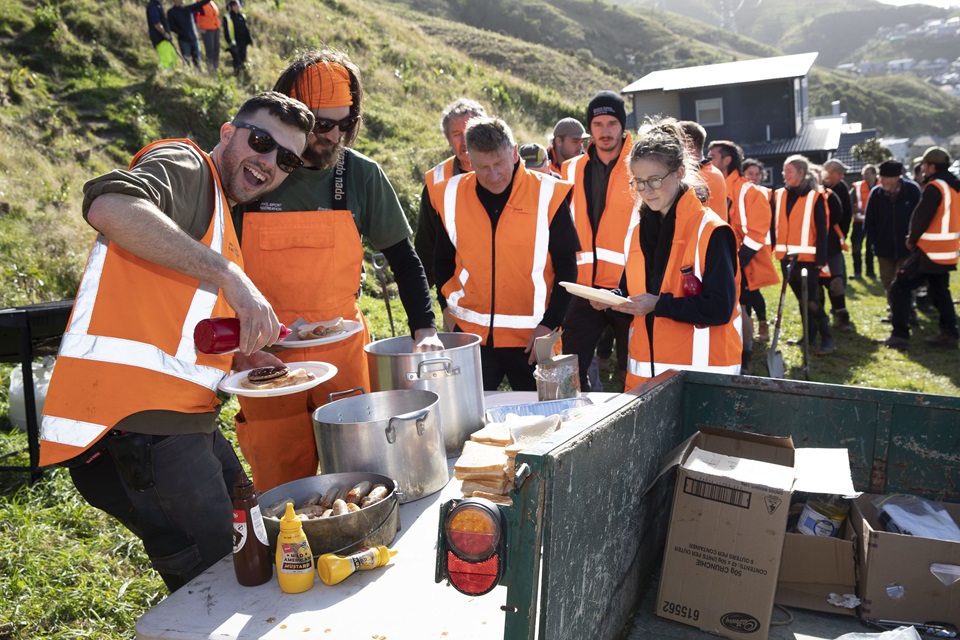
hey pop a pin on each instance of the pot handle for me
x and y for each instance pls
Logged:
(339, 394)
(420, 416)
(445, 363)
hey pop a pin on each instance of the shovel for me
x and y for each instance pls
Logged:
(379, 262)
(805, 295)
(775, 366)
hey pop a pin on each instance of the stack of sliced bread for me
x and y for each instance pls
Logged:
(487, 464)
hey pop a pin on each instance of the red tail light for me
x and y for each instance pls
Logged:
(472, 535)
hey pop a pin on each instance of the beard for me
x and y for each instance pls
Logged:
(319, 155)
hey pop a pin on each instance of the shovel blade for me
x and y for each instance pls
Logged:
(775, 366)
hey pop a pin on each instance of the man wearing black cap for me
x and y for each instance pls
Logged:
(603, 210)
(887, 220)
(934, 241)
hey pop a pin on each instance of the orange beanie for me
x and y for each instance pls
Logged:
(322, 85)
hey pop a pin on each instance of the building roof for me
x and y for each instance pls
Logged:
(727, 73)
(819, 135)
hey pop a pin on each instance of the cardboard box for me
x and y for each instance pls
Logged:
(896, 580)
(813, 567)
(728, 524)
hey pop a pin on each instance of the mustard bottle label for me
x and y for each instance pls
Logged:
(296, 557)
(364, 559)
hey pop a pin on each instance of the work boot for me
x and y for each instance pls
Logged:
(826, 344)
(763, 331)
(894, 342)
(943, 340)
(841, 320)
(746, 364)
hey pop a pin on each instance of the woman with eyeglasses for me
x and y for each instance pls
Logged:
(678, 323)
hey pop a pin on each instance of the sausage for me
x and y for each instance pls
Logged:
(352, 507)
(328, 497)
(359, 492)
(340, 508)
(376, 494)
(327, 513)
(280, 506)
(343, 493)
(313, 511)
(311, 500)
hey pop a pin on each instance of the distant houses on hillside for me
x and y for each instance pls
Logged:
(764, 106)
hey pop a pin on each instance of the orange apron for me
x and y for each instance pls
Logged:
(308, 265)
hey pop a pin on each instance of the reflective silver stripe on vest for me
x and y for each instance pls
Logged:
(70, 432)
(613, 257)
(584, 257)
(747, 240)
(801, 249)
(438, 172)
(541, 247)
(450, 207)
(944, 233)
(644, 370)
(206, 296)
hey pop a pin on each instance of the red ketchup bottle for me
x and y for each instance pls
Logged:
(691, 286)
(215, 336)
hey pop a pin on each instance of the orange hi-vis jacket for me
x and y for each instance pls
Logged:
(715, 181)
(208, 17)
(750, 218)
(502, 283)
(941, 241)
(796, 233)
(601, 259)
(680, 345)
(129, 344)
(436, 176)
(861, 190)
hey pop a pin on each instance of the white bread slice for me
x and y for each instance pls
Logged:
(492, 486)
(493, 497)
(529, 429)
(479, 458)
(495, 433)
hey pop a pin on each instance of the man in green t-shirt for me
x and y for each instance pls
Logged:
(302, 247)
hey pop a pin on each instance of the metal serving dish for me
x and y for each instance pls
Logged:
(374, 525)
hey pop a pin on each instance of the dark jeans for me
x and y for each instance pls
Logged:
(497, 362)
(751, 301)
(857, 237)
(239, 53)
(172, 492)
(190, 50)
(815, 306)
(582, 328)
(901, 300)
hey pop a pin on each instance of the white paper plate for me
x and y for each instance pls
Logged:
(597, 295)
(322, 370)
(350, 327)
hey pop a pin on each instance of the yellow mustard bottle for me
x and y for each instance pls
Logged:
(294, 559)
(333, 568)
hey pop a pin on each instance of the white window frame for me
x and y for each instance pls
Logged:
(710, 104)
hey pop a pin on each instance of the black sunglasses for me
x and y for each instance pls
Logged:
(323, 125)
(262, 142)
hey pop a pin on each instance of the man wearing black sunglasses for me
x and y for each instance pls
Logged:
(303, 249)
(132, 407)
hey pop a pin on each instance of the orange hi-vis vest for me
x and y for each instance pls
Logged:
(436, 176)
(600, 260)
(208, 17)
(502, 283)
(941, 241)
(680, 345)
(750, 218)
(715, 181)
(796, 233)
(861, 190)
(129, 344)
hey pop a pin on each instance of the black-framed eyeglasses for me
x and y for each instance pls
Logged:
(262, 142)
(323, 125)
(653, 183)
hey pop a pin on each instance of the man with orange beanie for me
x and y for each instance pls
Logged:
(302, 248)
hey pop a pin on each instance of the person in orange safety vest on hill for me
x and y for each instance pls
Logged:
(208, 24)
(132, 406)
(750, 217)
(506, 240)
(678, 246)
(800, 228)
(453, 122)
(603, 212)
(303, 249)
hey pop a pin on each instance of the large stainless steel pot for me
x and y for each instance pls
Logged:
(395, 433)
(453, 374)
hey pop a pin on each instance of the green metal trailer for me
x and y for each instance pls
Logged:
(585, 536)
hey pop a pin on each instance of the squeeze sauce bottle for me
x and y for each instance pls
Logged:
(251, 553)
(215, 336)
(333, 568)
(691, 286)
(294, 559)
